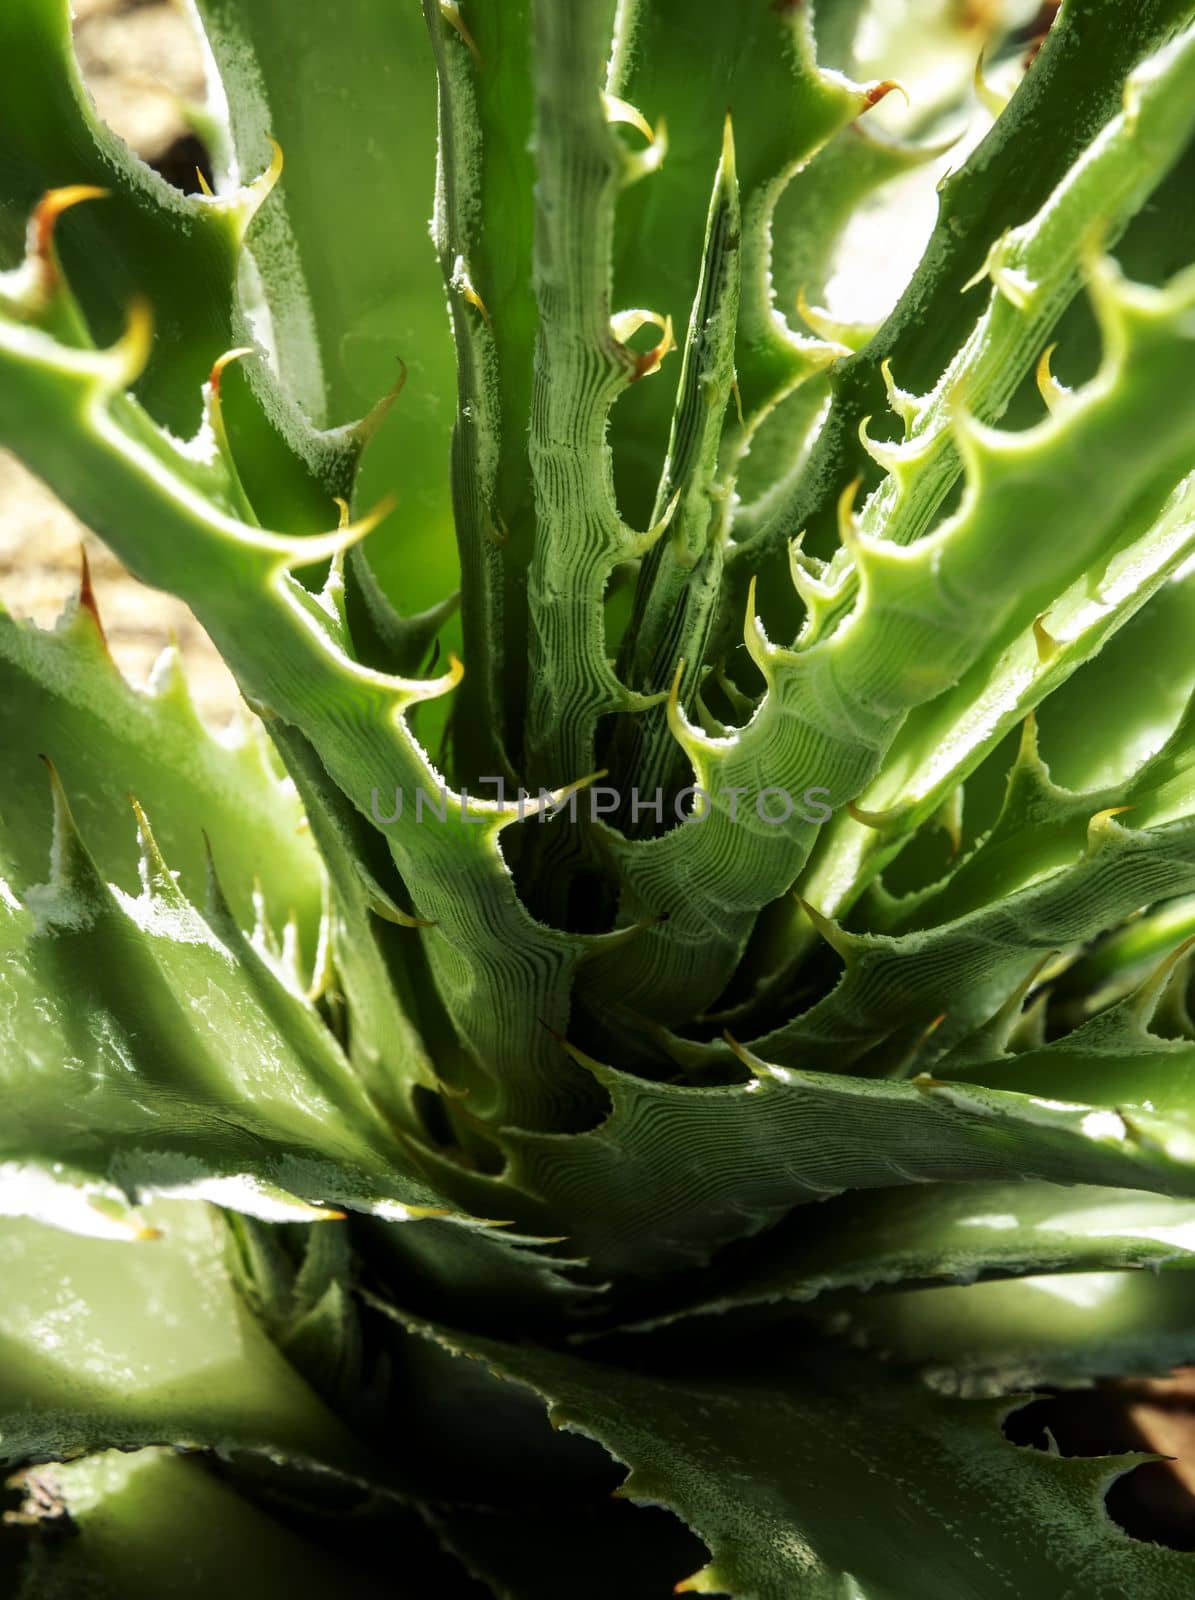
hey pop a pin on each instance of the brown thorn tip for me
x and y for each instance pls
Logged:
(880, 91)
(51, 206)
(219, 364)
(87, 599)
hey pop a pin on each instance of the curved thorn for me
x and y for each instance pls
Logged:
(451, 12)
(754, 638)
(470, 294)
(899, 400)
(1047, 645)
(45, 219)
(87, 601)
(420, 689)
(1149, 992)
(885, 455)
(841, 943)
(881, 821)
(221, 362)
(125, 361)
(641, 543)
(875, 92)
(622, 111)
(498, 536)
(315, 547)
(554, 799)
(248, 202)
(625, 324)
(677, 723)
(1051, 391)
(1100, 826)
(848, 526)
(991, 99)
(365, 427)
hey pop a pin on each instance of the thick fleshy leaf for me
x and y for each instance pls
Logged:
(152, 1525)
(947, 1232)
(62, 696)
(351, 284)
(181, 254)
(779, 1469)
(675, 1170)
(150, 1051)
(1059, 1328)
(119, 1344)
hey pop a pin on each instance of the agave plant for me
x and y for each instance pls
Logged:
(623, 1088)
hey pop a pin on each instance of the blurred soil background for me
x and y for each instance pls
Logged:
(141, 62)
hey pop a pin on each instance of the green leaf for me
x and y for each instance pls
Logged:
(62, 696)
(351, 286)
(117, 1344)
(152, 1525)
(937, 1232)
(196, 1064)
(773, 1467)
(676, 1171)
(179, 253)
(1063, 1328)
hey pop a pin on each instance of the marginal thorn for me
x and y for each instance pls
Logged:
(841, 943)
(848, 525)
(365, 428)
(886, 456)
(842, 336)
(554, 800)
(87, 600)
(157, 880)
(637, 163)
(254, 195)
(1051, 391)
(315, 547)
(1147, 995)
(991, 99)
(677, 723)
(640, 543)
(1009, 281)
(1101, 826)
(881, 821)
(903, 403)
(205, 187)
(622, 111)
(756, 640)
(470, 295)
(221, 362)
(451, 12)
(1047, 645)
(123, 363)
(495, 530)
(625, 324)
(382, 906)
(43, 222)
(72, 869)
(875, 92)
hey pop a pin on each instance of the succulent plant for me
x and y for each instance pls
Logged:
(624, 1086)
